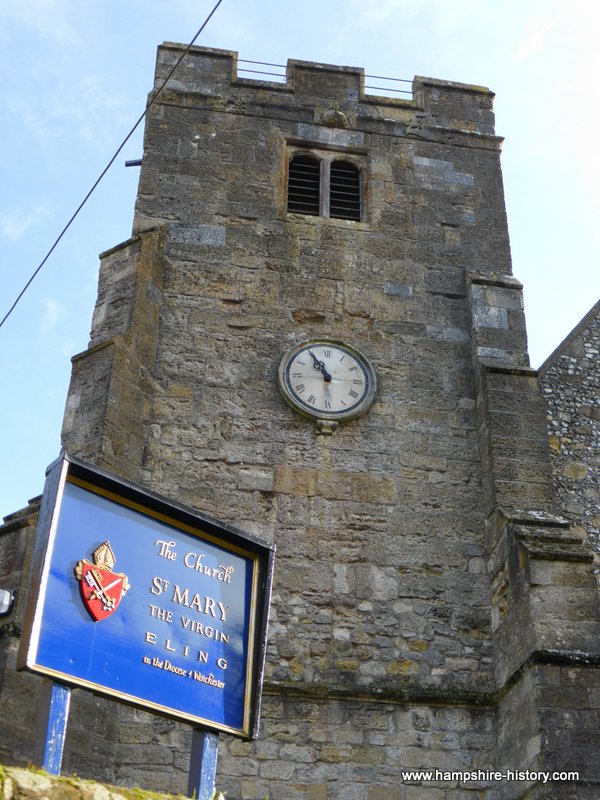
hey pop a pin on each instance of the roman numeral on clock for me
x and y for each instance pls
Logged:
(324, 380)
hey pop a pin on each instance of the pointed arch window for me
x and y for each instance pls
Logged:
(324, 186)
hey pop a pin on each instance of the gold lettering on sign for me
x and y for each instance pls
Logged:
(201, 603)
(213, 610)
(161, 613)
(159, 585)
(221, 573)
(204, 630)
(182, 672)
(165, 549)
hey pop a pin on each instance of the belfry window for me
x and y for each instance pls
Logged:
(344, 191)
(304, 185)
(324, 187)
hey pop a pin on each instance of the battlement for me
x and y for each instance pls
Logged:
(216, 73)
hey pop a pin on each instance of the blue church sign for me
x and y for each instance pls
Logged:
(148, 601)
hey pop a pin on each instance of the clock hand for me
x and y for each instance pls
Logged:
(320, 366)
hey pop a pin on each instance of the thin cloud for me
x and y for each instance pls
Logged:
(442, 14)
(48, 19)
(566, 84)
(15, 224)
(89, 108)
(53, 312)
(536, 35)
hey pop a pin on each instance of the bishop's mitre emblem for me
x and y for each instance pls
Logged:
(101, 588)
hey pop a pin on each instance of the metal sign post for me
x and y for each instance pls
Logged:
(203, 764)
(53, 715)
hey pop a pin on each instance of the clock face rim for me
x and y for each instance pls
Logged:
(290, 396)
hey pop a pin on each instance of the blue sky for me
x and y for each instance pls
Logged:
(75, 77)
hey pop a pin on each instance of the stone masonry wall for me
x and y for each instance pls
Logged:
(570, 380)
(407, 540)
(374, 583)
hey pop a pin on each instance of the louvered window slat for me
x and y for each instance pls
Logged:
(304, 185)
(344, 191)
(310, 187)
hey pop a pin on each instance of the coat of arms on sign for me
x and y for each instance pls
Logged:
(101, 588)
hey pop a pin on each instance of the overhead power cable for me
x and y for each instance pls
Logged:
(110, 163)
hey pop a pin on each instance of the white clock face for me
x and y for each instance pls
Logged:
(327, 380)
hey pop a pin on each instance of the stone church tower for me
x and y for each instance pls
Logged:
(431, 607)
